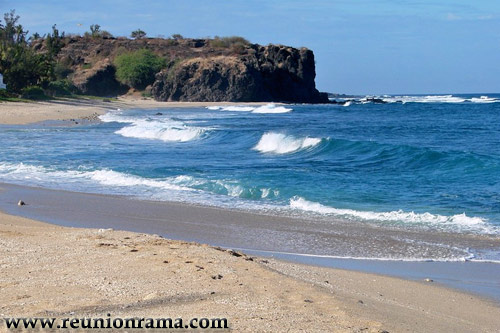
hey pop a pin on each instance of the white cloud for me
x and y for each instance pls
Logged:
(453, 17)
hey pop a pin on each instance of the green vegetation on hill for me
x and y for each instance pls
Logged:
(137, 69)
(175, 68)
(226, 42)
(20, 65)
(50, 65)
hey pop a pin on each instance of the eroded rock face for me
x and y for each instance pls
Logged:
(199, 70)
(99, 80)
(215, 79)
(270, 73)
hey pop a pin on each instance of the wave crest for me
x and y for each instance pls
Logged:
(268, 108)
(271, 108)
(278, 143)
(425, 99)
(459, 221)
(166, 130)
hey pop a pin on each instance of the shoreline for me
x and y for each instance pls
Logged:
(267, 284)
(228, 228)
(251, 291)
(64, 109)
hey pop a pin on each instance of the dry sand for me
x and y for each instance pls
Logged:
(16, 113)
(52, 271)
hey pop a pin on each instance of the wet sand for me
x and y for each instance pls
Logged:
(263, 235)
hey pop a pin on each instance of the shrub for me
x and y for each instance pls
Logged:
(96, 32)
(226, 42)
(33, 92)
(61, 70)
(137, 69)
(5, 95)
(238, 48)
(60, 88)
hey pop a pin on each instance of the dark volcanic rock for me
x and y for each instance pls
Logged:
(199, 70)
(271, 73)
(99, 80)
(376, 100)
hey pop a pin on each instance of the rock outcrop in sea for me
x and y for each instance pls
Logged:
(197, 69)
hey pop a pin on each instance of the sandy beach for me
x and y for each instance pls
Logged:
(54, 271)
(51, 271)
(17, 113)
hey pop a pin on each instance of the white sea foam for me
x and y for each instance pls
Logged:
(40, 175)
(115, 116)
(227, 187)
(278, 143)
(484, 99)
(430, 99)
(154, 129)
(237, 108)
(268, 108)
(348, 103)
(459, 221)
(113, 178)
(114, 182)
(35, 174)
(171, 188)
(271, 108)
(467, 257)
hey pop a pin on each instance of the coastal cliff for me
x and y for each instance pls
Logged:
(196, 69)
(263, 73)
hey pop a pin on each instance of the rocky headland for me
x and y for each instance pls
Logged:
(197, 70)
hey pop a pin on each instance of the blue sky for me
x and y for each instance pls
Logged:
(361, 46)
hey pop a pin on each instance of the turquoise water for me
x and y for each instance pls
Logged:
(425, 162)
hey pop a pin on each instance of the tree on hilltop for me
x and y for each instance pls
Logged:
(95, 30)
(136, 34)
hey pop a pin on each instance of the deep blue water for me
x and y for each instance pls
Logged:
(431, 162)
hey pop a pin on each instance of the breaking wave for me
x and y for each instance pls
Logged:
(129, 184)
(271, 108)
(268, 108)
(278, 143)
(461, 222)
(195, 189)
(232, 108)
(166, 130)
(422, 99)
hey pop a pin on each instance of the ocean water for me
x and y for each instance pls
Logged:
(427, 163)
